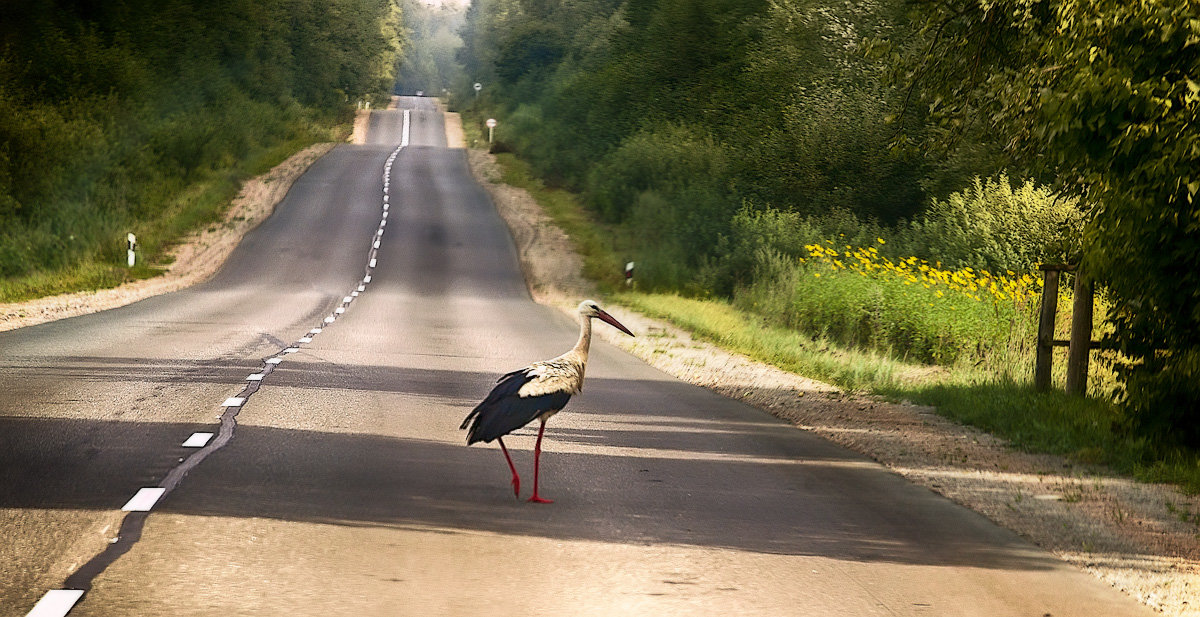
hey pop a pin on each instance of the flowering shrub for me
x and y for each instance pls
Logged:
(974, 284)
(908, 308)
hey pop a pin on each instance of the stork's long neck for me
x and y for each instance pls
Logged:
(575, 360)
(585, 339)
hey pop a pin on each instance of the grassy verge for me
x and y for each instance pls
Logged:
(195, 205)
(1088, 430)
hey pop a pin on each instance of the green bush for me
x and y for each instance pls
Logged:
(994, 226)
(1163, 399)
(667, 160)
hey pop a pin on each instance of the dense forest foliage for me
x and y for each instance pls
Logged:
(429, 65)
(723, 138)
(113, 114)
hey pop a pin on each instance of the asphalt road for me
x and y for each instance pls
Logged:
(346, 488)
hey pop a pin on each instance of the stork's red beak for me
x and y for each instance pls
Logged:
(612, 321)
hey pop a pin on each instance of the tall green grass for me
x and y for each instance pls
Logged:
(750, 335)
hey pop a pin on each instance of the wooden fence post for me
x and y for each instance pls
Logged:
(1079, 351)
(1045, 338)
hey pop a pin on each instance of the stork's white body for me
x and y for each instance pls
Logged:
(561, 374)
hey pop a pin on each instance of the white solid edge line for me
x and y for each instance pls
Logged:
(144, 499)
(233, 401)
(197, 440)
(56, 603)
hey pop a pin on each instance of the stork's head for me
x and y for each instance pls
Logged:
(589, 309)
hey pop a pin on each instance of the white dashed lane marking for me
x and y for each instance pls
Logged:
(56, 603)
(59, 602)
(143, 500)
(197, 440)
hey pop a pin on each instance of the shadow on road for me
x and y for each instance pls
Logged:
(634, 472)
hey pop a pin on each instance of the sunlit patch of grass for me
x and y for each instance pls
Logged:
(720, 323)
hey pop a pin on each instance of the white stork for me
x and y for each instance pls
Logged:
(537, 391)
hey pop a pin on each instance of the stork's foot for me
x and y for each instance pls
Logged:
(536, 499)
(516, 482)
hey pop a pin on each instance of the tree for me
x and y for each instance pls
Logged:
(1104, 94)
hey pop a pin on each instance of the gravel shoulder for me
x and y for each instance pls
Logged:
(1143, 539)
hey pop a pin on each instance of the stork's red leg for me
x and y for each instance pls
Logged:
(537, 456)
(516, 481)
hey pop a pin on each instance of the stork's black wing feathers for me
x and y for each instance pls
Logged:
(504, 410)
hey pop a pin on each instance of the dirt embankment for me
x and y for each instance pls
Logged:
(1141, 538)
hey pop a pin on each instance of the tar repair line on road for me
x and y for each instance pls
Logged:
(59, 602)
